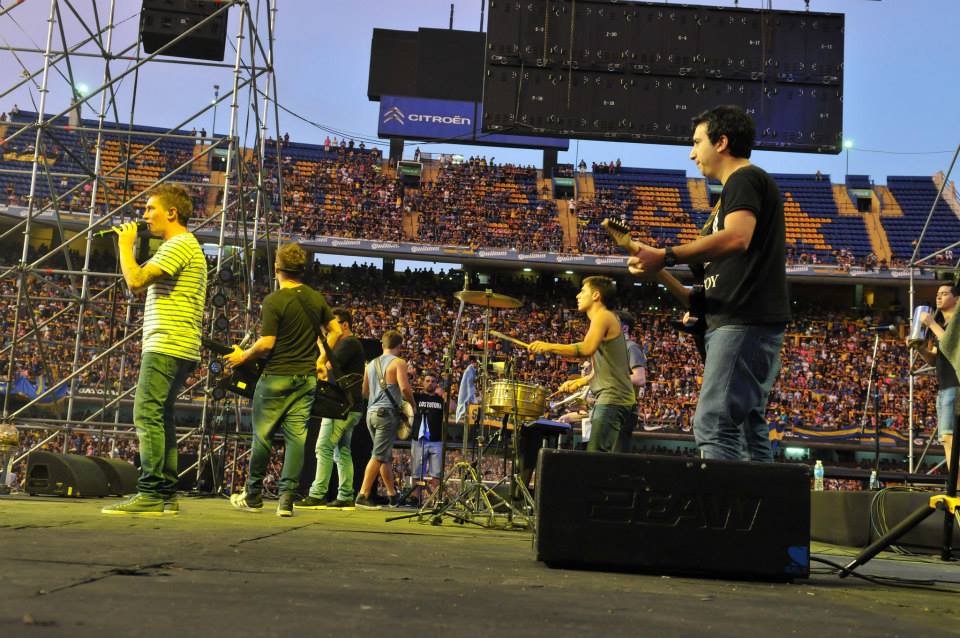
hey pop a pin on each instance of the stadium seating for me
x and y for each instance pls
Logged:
(916, 195)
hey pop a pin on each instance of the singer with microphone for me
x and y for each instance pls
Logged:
(175, 282)
(947, 381)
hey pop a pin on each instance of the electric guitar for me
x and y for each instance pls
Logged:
(695, 324)
(244, 379)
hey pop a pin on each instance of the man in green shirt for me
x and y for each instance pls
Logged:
(293, 317)
(607, 347)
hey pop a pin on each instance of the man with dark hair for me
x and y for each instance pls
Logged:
(425, 448)
(386, 385)
(740, 259)
(610, 379)
(175, 280)
(294, 318)
(946, 376)
(638, 378)
(333, 441)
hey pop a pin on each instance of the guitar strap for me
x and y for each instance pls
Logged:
(383, 386)
(708, 226)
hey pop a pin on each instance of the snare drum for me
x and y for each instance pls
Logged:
(502, 395)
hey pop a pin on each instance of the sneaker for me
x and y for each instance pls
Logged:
(365, 503)
(137, 505)
(338, 504)
(247, 503)
(171, 506)
(394, 501)
(310, 503)
(285, 505)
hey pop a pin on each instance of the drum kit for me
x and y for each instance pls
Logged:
(504, 401)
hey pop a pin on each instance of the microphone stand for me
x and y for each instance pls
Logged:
(871, 383)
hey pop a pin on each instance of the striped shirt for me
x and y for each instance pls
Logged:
(174, 308)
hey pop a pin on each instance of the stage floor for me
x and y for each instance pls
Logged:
(65, 569)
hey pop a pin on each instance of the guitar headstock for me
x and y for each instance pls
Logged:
(619, 232)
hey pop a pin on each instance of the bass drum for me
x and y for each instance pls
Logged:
(502, 395)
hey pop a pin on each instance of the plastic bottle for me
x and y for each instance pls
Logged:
(818, 477)
(874, 481)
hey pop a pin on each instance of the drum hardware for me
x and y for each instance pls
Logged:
(475, 502)
(436, 504)
(579, 395)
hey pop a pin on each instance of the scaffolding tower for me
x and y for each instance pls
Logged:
(70, 322)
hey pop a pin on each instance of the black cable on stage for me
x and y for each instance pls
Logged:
(890, 581)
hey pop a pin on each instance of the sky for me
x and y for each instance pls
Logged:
(901, 91)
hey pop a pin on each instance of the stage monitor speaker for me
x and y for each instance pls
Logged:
(161, 21)
(672, 515)
(64, 475)
(121, 476)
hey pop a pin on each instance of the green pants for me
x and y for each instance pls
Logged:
(161, 379)
(283, 400)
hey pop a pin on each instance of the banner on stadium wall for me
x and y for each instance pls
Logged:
(888, 436)
(457, 122)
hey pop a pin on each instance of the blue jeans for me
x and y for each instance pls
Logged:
(741, 365)
(608, 421)
(161, 379)
(333, 445)
(946, 406)
(280, 400)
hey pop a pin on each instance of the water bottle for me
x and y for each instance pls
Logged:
(818, 477)
(874, 482)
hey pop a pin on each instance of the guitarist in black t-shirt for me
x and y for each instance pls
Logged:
(745, 303)
(289, 340)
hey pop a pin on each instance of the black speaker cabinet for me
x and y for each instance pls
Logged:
(163, 20)
(121, 476)
(672, 515)
(64, 475)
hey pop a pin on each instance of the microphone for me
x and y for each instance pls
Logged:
(141, 227)
(886, 328)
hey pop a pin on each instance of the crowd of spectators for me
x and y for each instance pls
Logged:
(477, 204)
(821, 385)
(348, 191)
(345, 195)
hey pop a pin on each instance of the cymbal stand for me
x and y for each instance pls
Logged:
(518, 488)
(435, 504)
(475, 500)
(484, 381)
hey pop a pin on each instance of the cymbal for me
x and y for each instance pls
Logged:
(487, 298)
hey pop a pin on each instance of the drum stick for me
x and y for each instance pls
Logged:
(500, 335)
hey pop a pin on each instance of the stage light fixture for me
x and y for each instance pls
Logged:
(219, 300)
(216, 367)
(221, 323)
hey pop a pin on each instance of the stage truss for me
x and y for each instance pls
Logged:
(87, 375)
(916, 262)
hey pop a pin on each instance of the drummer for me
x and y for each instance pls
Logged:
(605, 344)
